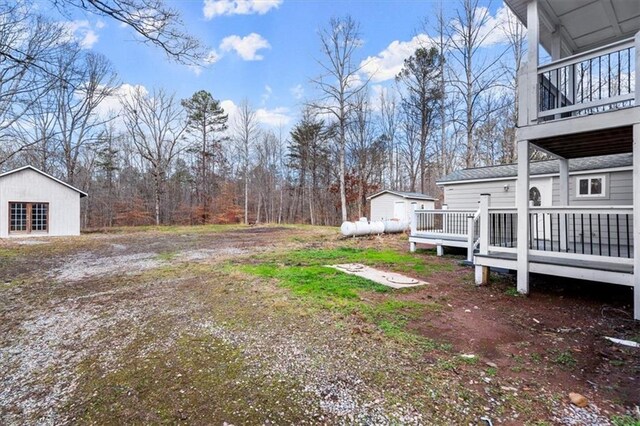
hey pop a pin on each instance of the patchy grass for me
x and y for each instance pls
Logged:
(565, 359)
(625, 421)
(195, 379)
(304, 273)
(386, 258)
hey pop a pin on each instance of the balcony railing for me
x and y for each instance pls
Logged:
(595, 81)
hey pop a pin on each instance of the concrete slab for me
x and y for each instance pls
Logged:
(390, 279)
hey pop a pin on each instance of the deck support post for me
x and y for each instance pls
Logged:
(439, 250)
(636, 215)
(470, 236)
(412, 247)
(564, 201)
(522, 204)
(482, 272)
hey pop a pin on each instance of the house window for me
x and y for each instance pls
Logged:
(28, 217)
(590, 186)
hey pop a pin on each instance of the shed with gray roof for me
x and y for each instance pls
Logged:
(603, 180)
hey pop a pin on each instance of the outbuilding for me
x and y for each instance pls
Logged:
(33, 203)
(387, 204)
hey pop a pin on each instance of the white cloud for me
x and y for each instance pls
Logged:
(297, 91)
(111, 106)
(212, 57)
(388, 63)
(266, 95)
(83, 32)
(269, 117)
(246, 47)
(213, 8)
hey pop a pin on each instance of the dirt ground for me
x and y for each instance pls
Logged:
(165, 325)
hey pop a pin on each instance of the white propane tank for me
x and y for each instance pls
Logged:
(395, 226)
(354, 229)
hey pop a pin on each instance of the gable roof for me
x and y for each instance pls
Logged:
(407, 195)
(539, 168)
(10, 172)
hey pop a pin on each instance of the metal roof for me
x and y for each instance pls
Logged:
(540, 168)
(409, 195)
(10, 172)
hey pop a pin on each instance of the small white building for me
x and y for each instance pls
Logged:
(33, 203)
(387, 205)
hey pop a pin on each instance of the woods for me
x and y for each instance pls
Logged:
(146, 156)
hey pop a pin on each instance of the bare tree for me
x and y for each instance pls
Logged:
(339, 84)
(87, 80)
(246, 131)
(156, 125)
(473, 74)
(28, 45)
(153, 20)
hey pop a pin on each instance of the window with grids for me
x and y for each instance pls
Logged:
(18, 217)
(39, 216)
(28, 217)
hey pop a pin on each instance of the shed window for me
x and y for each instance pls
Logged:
(591, 187)
(28, 217)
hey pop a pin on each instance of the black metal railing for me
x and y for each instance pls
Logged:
(602, 234)
(503, 229)
(589, 83)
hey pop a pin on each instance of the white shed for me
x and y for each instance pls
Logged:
(33, 203)
(386, 205)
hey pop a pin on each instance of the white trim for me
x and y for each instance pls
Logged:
(498, 249)
(596, 275)
(400, 194)
(588, 178)
(579, 256)
(10, 172)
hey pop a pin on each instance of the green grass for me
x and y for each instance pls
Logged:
(406, 262)
(565, 359)
(625, 421)
(304, 273)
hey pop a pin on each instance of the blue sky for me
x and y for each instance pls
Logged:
(264, 50)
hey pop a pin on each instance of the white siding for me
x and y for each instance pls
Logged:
(30, 186)
(382, 206)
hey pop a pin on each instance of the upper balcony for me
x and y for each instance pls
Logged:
(593, 46)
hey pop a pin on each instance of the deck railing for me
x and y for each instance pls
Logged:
(567, 231)
(600, 231)
(442, 222)
(595, 81)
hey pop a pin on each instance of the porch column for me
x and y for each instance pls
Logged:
(482, 272)
(564, 201)
(533, 39)
(636, 220)
(636, 192)
(522, 205)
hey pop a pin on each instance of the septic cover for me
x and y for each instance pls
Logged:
(390, 279)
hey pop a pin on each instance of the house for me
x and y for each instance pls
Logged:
(578, 107)
(387, 204)
(593, 181)
(33, 203)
